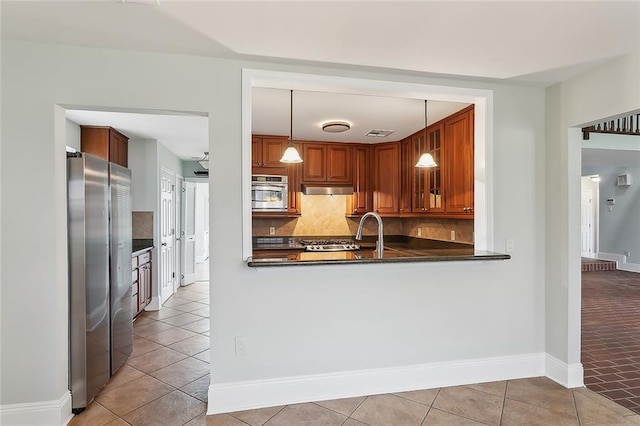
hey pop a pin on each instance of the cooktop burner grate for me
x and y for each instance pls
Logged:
(330, 245)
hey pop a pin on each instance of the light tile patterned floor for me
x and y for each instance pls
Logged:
(611, 335)
(165, 382)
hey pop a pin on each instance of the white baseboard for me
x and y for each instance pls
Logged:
(228, 397)
(569, 376)
(621, 262)
(46, 413)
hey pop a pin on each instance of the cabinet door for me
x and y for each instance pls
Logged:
(293, 173)
(142, 288)
(386, 171)
(256, 151)
(118, 148)
(362, 197)
(95, 141)
(406, 173)
(434, 181)
(314, 166)
(339, 163)
(272, 150)
(420, 176)
(458, 133)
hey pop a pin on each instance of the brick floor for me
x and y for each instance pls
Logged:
(611, 335)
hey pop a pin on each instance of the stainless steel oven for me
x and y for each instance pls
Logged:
(269, 193)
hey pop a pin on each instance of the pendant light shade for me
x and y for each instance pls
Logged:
(426, 160)
(291, 154)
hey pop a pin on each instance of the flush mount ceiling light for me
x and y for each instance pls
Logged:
(426, 160)
(291, 154)
(335, 126)
(205, 161)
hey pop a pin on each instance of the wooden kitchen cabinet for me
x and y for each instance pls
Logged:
(386, 178)
(458, 145)
(406, 175)
(427, 193)
(141, 286)
(105, 142)
(326, 162)
(294, 172)
(266, 152)
(362, 200)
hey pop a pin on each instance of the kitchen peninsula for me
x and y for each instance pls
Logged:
(291, 252)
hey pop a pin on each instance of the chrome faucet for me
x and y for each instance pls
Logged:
(380, 242)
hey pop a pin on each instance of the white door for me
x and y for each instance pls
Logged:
(586, 225)
(178, 194)
(167, 223)
(189, 239)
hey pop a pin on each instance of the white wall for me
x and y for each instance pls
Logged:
(73, 135)
(297, 321)
(144, 174)
(620, 227)
(606, 91)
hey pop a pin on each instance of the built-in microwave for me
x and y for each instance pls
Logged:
(269, 193)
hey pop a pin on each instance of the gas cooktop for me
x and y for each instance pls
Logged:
(330, 245)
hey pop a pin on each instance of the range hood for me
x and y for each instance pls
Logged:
(326, 189)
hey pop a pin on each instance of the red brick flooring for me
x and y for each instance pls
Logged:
(611, 335)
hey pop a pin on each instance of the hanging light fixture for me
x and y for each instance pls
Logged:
(291, 154)
(204, 162)
(426, 160)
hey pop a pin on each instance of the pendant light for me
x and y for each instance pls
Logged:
(291, 154)
(426, 160)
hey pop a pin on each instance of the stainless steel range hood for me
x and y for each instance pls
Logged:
(326, 189)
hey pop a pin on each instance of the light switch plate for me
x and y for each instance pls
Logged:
(509, 245)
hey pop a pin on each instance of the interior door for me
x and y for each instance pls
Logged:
(586, 225)
(167, 224)
(189, 238)
(178, 234)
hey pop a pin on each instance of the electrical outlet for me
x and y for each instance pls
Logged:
(509, 245)
(272, 230)
(627, 253)
(453, 235)
(241, 345)
(419, 232)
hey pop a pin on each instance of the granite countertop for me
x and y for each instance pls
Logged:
(140, 245)
(397, 250)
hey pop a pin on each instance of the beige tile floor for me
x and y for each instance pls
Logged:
(165, 382)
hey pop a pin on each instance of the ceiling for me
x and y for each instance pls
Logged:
(524, 42)
(539, 42)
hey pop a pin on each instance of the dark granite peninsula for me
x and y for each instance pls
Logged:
(397, 249)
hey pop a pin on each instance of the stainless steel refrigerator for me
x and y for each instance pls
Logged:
(100, 317)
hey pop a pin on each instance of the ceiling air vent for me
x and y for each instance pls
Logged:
(379, 133)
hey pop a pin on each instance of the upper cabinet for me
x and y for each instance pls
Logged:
(106, 143)
(458, 130)
(326, 162)
(362, 200)
(266, 152)
(386, 178)
(427, 183)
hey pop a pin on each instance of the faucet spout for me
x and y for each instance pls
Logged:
(380, 242)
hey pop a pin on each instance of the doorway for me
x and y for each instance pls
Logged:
(589, 207)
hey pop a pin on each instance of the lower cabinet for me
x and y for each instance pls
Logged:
(141, 282)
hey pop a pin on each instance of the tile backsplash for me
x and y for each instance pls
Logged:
(439, 229)
(142, 225)
(324, 215)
